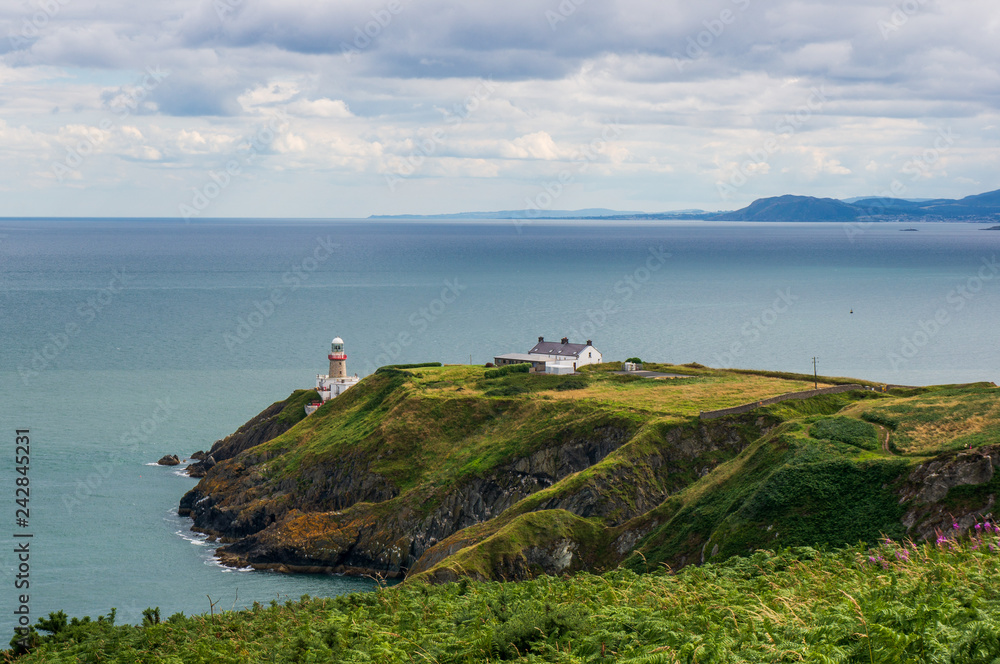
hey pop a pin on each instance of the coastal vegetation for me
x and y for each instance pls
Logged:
(895, 601)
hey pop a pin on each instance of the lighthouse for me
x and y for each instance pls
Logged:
(337, 381)
(338, 359)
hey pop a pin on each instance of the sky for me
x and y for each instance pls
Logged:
(296, 108)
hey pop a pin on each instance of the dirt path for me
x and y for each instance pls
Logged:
(883, 436)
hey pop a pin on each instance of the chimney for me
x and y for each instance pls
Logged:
(541, 339)
(589, 342)
(565, 340)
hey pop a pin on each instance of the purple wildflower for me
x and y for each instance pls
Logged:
(955, 525)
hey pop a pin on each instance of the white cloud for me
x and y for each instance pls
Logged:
(320, 108)
(538, 145)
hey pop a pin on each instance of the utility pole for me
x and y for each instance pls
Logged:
(815, 374)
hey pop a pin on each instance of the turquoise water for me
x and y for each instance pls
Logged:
(126, 340)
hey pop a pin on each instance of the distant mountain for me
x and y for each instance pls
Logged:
(981, 207)
(793, 208)
(989, 199)
(861, 198)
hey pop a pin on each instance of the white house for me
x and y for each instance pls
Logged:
(554, 356)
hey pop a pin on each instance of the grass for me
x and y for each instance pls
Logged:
(846, 430)
(937, 420)
(784, 490)
(894, 602)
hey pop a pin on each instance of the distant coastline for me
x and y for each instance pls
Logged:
(980, 208)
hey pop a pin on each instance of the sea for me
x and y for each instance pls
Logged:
(122, 340)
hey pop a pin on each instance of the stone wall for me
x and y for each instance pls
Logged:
(747, 407)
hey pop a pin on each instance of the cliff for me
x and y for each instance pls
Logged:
(273, 421)
(439, 473)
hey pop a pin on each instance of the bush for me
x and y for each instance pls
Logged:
(846, 430)
(636, 360)
(410, 366)
(524, 367)
(570, 385)
(505, 391)
(880, 418)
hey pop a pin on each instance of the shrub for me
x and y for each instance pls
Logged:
(880, 418)
(570, 385)
(524, 367)
(410, 366)
(505, 391)
(636, 360)
(846, 430)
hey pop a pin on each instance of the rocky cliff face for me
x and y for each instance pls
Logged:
(930, 492)
(656, 464)
(374, 536)
(345, 517)
(270, 423)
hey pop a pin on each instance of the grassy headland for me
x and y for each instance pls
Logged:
(443, 472)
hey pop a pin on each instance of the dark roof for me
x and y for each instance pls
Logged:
(556, 348)
(522, 357)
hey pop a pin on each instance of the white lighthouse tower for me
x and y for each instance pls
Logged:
(337, 381)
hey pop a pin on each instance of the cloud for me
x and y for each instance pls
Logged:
(320, 108)
(696, 87)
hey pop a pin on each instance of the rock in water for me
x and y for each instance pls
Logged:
(200, 455)
(169, 460)
(202, 467)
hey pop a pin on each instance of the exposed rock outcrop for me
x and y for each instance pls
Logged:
(680, 456)
(929, 485)
(169, 460)
(395, 543)
(266, 425)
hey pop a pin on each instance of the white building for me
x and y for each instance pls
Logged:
(554, 356)
(337, 381)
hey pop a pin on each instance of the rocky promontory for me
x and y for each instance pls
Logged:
(441, 472)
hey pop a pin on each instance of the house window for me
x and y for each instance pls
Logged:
(590, 354)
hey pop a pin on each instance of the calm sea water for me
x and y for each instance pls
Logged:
(126, 340)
